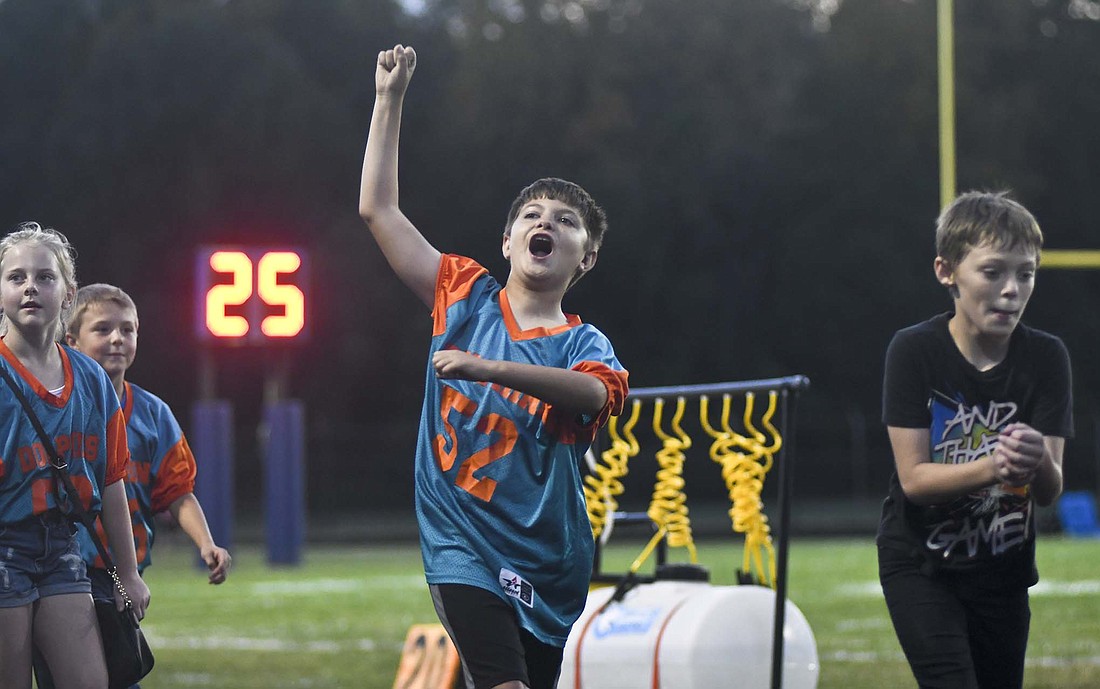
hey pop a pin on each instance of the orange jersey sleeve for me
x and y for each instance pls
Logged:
(176, 477)
(617, 388)
(118, 453)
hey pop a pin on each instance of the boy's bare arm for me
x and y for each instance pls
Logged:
(188, 513)
(1023, 457)
(1047, 484)
(571, 390)
(415, 261)
(929, 483)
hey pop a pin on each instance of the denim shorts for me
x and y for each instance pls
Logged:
(40, 557)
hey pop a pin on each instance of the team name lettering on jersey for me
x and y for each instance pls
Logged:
(138, 472)
(531, 405)
(74, 446)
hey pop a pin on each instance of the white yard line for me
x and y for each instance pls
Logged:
(264, 645)
(203, 679)
(1054, 587)
(874, 657)
(306, 587)
(1045, 588)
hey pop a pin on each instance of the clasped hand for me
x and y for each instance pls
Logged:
(1018, 454)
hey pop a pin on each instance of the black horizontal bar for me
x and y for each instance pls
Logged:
(798, 382)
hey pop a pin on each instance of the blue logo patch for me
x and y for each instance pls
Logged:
(622, 621)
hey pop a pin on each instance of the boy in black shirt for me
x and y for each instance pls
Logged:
(977, 407)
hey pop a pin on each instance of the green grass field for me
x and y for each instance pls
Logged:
(339, 619)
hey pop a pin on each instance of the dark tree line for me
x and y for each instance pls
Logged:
(769, 168)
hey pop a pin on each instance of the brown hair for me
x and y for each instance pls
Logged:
(91, 295)
(979, 217)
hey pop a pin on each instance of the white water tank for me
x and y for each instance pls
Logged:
(686, 635)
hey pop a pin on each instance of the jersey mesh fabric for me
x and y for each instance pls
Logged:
(161, 470)
(85, 424)
(498, 483)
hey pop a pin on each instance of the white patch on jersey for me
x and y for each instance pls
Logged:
(517, 587)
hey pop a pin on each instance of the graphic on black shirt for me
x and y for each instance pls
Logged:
(997, 517)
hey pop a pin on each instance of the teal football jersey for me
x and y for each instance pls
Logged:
(499, 496)
(84, 424)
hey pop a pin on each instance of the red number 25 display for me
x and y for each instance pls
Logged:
(250, 295)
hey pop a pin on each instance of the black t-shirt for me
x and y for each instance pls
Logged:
(929, 384)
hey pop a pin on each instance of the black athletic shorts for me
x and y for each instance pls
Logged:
(493, 647)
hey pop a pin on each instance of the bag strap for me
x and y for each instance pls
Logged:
(61, 473)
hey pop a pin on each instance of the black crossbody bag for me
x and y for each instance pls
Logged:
(124, 646)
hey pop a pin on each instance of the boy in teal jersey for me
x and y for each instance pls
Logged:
(103, 324)
(515, 392)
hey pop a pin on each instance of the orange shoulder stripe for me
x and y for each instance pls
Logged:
(456, 278)
(118, 453)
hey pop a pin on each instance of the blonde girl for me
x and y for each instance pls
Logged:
(45, 594)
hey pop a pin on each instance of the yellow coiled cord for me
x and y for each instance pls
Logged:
(745, 462)
(603, 486)
(668, 507)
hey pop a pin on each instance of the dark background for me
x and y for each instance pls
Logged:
(769, 168)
